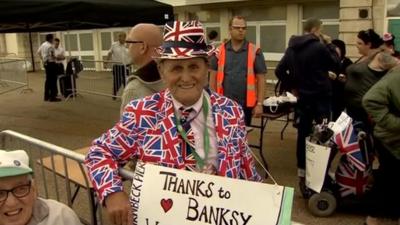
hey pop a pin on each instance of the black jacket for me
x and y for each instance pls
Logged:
(308, 61)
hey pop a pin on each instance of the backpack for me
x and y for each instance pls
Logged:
(74, 66)
(285, 72)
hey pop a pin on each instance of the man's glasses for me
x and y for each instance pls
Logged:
(133, 42)
(18, 192)
(239, 28)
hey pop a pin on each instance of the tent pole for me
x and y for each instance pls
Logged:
(31, 47)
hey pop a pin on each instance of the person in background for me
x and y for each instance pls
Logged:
(360, 78)
(238, 70)
(59, 53)
(382, 103)
(121, 60)
(19, 201)
(213, 38)
(142, 42)
(308, 59)
(47, 55)
(185, 126)
(338, 82)
(368, 42)
(388, 41)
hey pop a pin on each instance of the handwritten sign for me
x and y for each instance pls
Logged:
(317, 158)
(165, 196)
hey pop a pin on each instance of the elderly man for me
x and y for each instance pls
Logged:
(184, 127)
(19, 203)
(142, 42)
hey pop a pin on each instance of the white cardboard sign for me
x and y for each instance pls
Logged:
(165, 196)
(317, 158)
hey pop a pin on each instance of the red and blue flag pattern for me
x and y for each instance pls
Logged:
(147, 131)
(351, 181)
(348, 143)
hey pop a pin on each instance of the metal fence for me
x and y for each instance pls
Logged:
(105, 78)
(13, 75)
(59, 174)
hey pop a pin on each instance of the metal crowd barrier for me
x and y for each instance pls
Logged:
(13, 75)
(102, 78)
(59, 174)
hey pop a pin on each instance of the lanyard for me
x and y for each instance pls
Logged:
(199, 161)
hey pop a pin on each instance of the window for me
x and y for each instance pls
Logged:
(330, 27)
(251, 33)
(331, 30)
(321, 11)
(209, 16)
(270, 36)
(105, 40)
(261, 14)
(42, 38)
(393, 8)
(71, 42)
(86, 41)
(273, 38)
(329, 15)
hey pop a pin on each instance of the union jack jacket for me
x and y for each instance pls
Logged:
(147, 130)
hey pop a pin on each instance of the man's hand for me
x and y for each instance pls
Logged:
(342, 78)
(332, 75)
(325, 38)
(119, 209)
(258, 110)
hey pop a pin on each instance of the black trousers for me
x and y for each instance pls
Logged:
(50, 84)
(383, 200)
(309, 109)
(248, 114)
(120, 72)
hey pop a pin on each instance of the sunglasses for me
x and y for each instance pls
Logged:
(18, 192)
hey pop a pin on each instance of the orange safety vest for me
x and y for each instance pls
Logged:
(251, 95)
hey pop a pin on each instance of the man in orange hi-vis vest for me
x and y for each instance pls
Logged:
(238, 70)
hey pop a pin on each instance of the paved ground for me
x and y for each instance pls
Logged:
(74, 124)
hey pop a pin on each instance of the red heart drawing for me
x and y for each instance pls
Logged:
(166, 204)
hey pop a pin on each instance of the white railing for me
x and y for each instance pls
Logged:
(13, 74)
(102, 78)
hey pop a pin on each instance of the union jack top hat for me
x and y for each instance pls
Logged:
(184, 40)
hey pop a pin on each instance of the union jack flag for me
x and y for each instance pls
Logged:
(190, 31)
(184, 40)
(347, 142)
(351, 180)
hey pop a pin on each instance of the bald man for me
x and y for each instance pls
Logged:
(143, 39)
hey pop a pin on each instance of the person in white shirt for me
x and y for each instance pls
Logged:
(46, 53)
(119, 55)
(59, 53)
